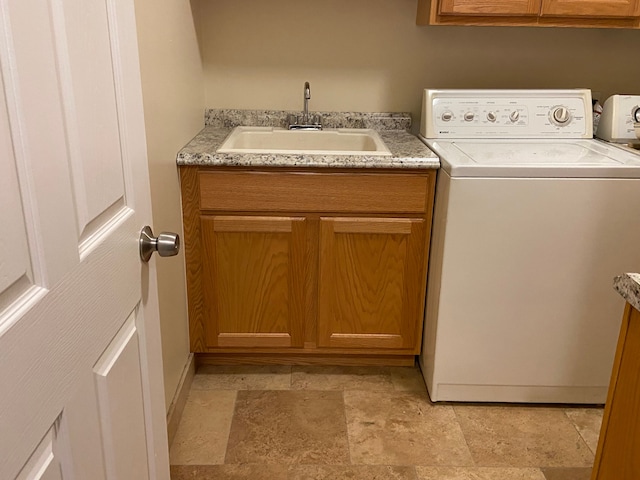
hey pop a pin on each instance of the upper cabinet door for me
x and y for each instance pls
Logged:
(591, 8)
(556, 13)
(489, 7)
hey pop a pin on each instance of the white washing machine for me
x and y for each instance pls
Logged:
(533, 219)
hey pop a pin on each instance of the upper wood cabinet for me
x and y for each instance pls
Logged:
(591, 8)
(570, 13)
(489, 7)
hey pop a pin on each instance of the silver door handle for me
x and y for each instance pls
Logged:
(167, 244)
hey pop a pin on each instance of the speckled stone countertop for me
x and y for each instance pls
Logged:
(628, 285)
(407, 151)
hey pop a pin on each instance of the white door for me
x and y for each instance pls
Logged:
(80, 367)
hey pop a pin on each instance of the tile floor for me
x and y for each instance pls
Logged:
(368, 423)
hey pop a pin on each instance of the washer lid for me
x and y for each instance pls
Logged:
(522, 158)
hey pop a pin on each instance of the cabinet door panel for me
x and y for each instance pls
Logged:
(253, 281)
(370, 282)
(591, 8)
(489, 7)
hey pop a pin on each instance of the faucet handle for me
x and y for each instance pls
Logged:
(307, 91)
(298, 122)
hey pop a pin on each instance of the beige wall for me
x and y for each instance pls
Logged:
(362, 55)
(173, 110)
(368, 55)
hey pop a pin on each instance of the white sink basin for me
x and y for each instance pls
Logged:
(341, 141)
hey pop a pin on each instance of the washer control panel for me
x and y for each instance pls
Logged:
(507, 114)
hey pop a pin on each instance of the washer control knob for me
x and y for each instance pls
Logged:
(491, 116)
(561, 116)
(469, 116)
(514, 116)
(447, 116)
(636, 114)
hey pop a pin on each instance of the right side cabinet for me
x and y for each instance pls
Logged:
(618, 454)
(578, 13)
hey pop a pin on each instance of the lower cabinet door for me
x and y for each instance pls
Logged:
(371, 283)
(253, 281)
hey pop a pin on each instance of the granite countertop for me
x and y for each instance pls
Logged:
(628, 285)
(406, 149)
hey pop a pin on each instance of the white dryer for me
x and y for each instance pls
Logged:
(533, 219)
(620, 121)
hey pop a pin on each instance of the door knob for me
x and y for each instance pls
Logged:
(166, 244)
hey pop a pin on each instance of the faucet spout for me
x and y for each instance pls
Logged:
(307, 97)
(305, 121)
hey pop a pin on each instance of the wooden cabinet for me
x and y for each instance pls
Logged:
(306, 266)
(571, 13)
(489, 7)
(591, 8)
(618, 454)
(370, 282)
(253, 280)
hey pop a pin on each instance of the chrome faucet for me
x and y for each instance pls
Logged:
(305, 121)
(305, 107)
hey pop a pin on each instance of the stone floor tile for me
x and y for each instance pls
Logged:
(403, 428)
(242, 377)
(588, 422)
(228, 472)
(567, 473)
(407, 379)
(515, 436)
(288, 427)
(478, 473)
(350, 472)
(340, 378)
(204, 428)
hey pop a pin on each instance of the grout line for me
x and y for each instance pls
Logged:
(233, 416)
(575, 426)
(346, 424)
(566, 414)
(415, 472)
(466, 441)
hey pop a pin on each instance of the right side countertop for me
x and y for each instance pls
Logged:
(628, 285)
